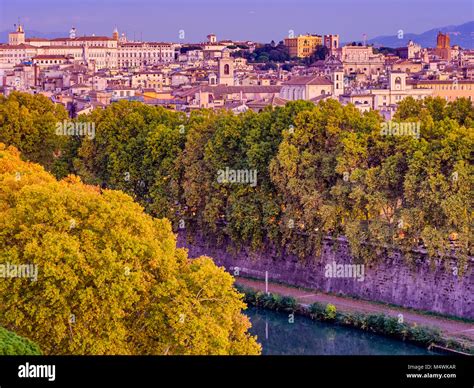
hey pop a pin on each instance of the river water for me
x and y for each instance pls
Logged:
(307, 337)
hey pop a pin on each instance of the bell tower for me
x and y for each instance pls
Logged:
(337, 77)
(226, 69)
(17, 37)
(398, 80)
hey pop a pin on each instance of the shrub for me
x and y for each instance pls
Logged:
(317, 310)
(424, 335)
(330, 312)
(14, 345)
(288, 304)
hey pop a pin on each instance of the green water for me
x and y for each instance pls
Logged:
(306, 337)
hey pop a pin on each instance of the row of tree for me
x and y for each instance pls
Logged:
(321, 170)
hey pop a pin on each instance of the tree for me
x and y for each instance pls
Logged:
(14, 345)
(28, 122)
(325, 169)
(110, 278)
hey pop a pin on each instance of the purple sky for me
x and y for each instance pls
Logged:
(260, 20)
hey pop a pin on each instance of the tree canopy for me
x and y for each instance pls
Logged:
(110, 278)
(14, 345)
(324, 170)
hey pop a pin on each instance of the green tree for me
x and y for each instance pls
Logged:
(14, 345)
(29, 123)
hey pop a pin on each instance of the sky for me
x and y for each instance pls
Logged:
(257, 20)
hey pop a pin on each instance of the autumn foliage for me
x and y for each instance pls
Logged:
(110, 278)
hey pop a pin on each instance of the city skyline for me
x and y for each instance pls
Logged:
(243, 20)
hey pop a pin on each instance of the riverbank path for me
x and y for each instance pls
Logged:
(462, 331)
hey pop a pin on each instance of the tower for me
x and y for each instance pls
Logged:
(226, 69)
(337, 77)
(442, 41)
(398, 80)
(331, 42)
(212, 38)
(17, 37)
(443, 47)
(212, 79)
(115, 34)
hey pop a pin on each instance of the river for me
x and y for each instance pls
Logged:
(307, 337)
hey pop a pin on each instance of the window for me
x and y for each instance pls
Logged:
(226, 69)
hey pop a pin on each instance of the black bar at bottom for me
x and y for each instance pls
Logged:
(319, 371)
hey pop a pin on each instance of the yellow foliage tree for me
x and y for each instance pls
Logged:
(110, 279)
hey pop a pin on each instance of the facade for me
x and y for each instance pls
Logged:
(136, 54)
(225, 74)
(410, 51)
(448, 89)
(306, 88)
(397, 90)
(361, 59)
(407, 66)
(443, 48)
(303, 46)
(49, 60)
(16, 37)
(331, 42)
(99, 52)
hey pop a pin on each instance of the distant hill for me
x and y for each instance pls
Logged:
(35, 34)
(462, 35)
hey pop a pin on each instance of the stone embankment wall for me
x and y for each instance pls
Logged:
(391, 280)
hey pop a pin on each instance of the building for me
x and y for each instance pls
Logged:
(212, 38)
(443, 48)
(49, 60)
(16, 37)
(407, 66)
(447, 89)
(306, 88)
(397, 90)
(303, 46)
(331, 42)
(225, 74)
(137, 54)
(220, 95)
(361, 59)
(411, 51)
(99, 52)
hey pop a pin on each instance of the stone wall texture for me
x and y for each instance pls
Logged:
(421, 285)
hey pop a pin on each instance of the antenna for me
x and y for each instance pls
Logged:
(364, 37)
